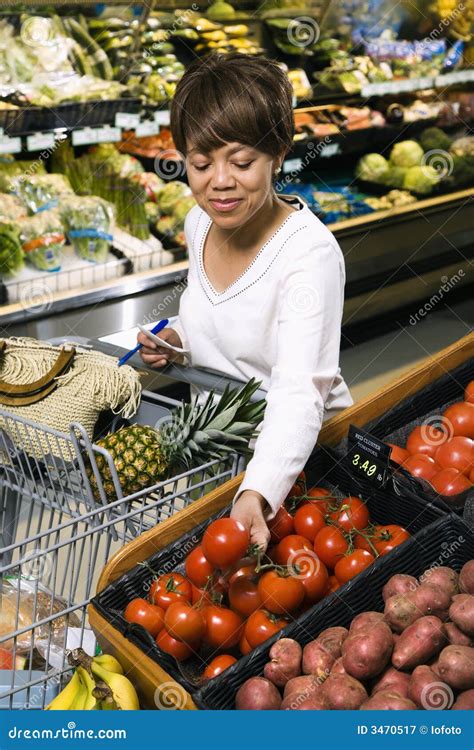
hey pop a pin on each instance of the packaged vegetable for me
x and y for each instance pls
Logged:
(42, 238)
(40, 192)
(11, 207)
(89, 226)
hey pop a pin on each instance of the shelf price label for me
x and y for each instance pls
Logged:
(89, 136)
(162, 117)
(330, 149)
(367, 455)
(9, 145)
(40, 141)
(127, 120)
(292, 165)
(147, 128)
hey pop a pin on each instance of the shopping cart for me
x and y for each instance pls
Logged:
(57, 532)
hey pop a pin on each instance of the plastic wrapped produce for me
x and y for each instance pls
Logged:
(89, 226)
(42, 238)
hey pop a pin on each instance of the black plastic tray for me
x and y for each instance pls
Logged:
(448, 542)
(395, 425)
(323, 469)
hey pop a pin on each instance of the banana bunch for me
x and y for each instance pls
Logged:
(98, 683)
(459, 15)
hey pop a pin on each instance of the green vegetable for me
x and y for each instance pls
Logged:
(182, 207)
(42, 238)
(171, 193)
(462, 174)
(11, 255)
(395, 176)
(421, 180)
(435, 139)
(89, 227)
(406, 154)
(372, 168)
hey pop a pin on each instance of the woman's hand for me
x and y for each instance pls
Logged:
(157, 356)
(249, 510)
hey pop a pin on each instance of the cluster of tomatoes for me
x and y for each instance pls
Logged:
(443, 455)
(233, 597)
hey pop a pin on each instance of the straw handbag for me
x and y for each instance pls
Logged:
(55, 387)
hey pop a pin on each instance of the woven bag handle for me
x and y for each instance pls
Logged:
(29, 393)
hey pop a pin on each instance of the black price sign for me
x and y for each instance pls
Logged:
(367, 455)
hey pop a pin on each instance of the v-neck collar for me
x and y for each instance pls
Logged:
(292, 199)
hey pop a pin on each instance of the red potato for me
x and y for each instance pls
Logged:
(464, 701)
(338, 667)
(456, 667)
(461, 613)
(365, 655)
(433, 600)
(257, 694)
(446, 578)
(296, 702)
(304, 685)
(385, 700)
(400, 583)
(343, 692)
(426, 690)
(285, 662)
(401, 611)
(332, 639)
(456, 637)
(364, 621)
(317, 659)
(466, 578)
(419, 643)
(393, 681)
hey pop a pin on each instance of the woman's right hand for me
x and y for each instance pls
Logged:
(157, 356)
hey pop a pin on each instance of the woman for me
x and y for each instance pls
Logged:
(266, 277)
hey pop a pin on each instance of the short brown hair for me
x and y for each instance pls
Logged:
(225, 98)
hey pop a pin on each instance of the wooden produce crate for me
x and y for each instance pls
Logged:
(155, 686)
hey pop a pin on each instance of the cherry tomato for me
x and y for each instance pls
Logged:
(388, 537)
(172, 646)
(280, 594)
(212, 595)
(421, 465)
(398, 454)
(308, 521)
(261, 625)
(461, 417)
(243, 571)
(353, 564)
(145, 614)
(457, 453)
(352, 514)
(299, 486)
(244, 646)
(333, 584)
(218, 665)
(281, 525)
(244, 596)
(224, 542)
(469, 393)
(185, 623)
(288, 547)
(320, 497)
(330, 545)
(314, 577)
(425, 439)
(198, 569)
(169, 588)
(223, 627)
(450, 482)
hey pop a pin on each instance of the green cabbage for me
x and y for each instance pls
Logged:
(395, 176)
(170, 194)
(421, 180)
(406, 154)
(372, 168)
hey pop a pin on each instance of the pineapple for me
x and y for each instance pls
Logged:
(194, 434)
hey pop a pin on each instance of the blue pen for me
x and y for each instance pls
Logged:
(159, 326)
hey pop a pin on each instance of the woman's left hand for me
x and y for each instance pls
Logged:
(249, 511)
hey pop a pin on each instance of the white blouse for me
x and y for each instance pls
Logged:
(278, 322)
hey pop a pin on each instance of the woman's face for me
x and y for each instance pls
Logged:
(231, 183)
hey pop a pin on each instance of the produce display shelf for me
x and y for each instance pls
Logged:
(148, 673)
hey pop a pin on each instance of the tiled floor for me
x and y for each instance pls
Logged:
(368, 366)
